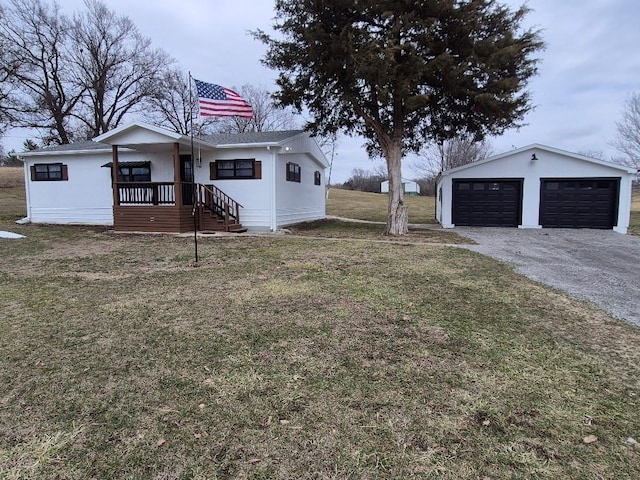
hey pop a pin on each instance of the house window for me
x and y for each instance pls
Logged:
(317, 178)
(244, 168)
(130, 173)
(293, 172)
(42, 172)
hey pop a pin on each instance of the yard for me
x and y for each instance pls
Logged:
(373, 206)
(300, 357)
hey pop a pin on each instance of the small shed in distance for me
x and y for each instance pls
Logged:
(409, 186)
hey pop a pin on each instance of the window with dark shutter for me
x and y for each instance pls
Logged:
(245, 168)
(47, 172)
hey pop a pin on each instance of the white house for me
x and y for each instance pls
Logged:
(408, 186)
(261, 181)
(536, 187)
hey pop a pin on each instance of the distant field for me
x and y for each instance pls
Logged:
(12, 196)
(373, 206)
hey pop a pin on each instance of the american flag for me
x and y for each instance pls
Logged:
(217, 101)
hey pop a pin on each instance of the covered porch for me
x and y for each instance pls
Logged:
(175, 206)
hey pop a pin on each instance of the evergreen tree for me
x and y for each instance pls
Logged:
(402, 72)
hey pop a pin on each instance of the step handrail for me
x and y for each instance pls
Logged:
(214, 199)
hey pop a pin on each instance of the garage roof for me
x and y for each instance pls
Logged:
(544, 148)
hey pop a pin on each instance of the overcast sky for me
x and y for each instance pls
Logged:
(587, 72)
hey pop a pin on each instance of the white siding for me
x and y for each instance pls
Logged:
(267, 203)
(299, 202)
(409, 186)
(303, 143)
(520, 166)
(161, 164)
(253, 195)
(86, 198)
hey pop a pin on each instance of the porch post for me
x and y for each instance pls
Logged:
(115, 168)
(177, 189)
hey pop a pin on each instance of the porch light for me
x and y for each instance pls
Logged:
(534, 158)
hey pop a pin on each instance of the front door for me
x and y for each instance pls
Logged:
(186, 177)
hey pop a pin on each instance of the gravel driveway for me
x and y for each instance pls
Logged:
(597, 265)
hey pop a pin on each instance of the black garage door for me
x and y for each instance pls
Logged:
(487, 203)
(579, 203)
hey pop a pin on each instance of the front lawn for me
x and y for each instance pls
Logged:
(372, 231)
(282, 357)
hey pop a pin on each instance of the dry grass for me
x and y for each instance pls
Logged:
(634, 225)
(12, 196)
(373, 206)
(375, 232)
(11, 177)
(281, 357)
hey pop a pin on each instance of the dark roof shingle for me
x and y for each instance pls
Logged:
(249, 137)
(70, 147)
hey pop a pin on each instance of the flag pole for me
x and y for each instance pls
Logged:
(194, 210)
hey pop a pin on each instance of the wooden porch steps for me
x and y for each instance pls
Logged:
(210, 222)
(231, 229)
(218, 212)
(219, 226)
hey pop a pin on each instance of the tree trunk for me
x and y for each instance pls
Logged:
(398, 219)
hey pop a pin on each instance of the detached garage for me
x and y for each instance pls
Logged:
(536, 187)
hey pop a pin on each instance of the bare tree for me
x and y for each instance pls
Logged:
(597, 154)
(367, 180)
(34, 37)
(627, 140)
(7, 71)
(329, 146)
(173, 103)
(266, 115)
(461, 150)
(115, 64)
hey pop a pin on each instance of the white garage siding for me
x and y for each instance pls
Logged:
(550, 163)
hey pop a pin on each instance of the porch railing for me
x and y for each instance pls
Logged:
(146, 193)
(215, 200)
(207, 197)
